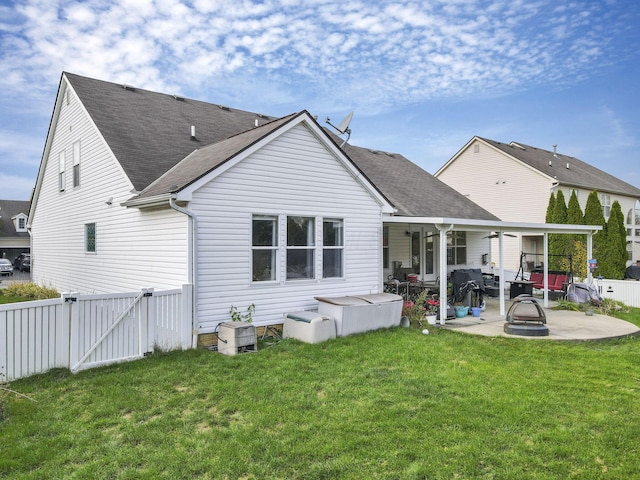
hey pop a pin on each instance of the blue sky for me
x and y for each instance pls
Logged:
(423, 77)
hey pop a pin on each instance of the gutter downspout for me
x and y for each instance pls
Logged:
(191, 262)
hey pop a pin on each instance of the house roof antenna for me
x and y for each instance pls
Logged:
(343, 127)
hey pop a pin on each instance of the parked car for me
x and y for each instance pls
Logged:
(25, 266)
(18, 260)
(6, 268)
(22, 262)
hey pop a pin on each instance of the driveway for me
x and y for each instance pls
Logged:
(16, 277)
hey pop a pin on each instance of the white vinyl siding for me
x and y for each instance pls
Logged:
(294, 175)
(130, 252)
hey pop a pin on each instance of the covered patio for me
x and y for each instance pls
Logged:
(442, 228)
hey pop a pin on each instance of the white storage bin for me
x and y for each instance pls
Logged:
(308, 327)
(362, 313)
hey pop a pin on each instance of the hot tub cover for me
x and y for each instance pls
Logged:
(353, 300)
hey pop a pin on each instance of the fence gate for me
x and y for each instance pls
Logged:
(109, 328)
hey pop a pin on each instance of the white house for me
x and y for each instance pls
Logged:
(514, 181)
(143, 189)
(14, 237)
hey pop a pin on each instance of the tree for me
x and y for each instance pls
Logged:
(578, 242)
(549, 216)
(593, 216)
(615, 254)
(559, 244)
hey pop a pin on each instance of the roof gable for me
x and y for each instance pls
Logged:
(564, 169)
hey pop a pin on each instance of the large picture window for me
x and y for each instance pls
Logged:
(333, 246)
(457, 248)
(300, 248)
(264, 236)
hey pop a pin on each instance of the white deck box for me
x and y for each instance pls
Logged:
(308, 327)
(362, 313)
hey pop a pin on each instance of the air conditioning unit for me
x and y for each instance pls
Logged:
(237, 337)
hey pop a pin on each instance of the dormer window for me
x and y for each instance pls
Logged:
(20, 222)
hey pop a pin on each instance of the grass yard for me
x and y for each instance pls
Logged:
(383, 405)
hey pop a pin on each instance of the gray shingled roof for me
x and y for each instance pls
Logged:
(579, 173)
(149, 133)
(8, 210)
(413, 191)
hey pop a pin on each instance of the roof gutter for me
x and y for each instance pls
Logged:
(155, 201)
(191, 261)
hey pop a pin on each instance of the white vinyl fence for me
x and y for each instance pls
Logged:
(85, 331)
(625, 291)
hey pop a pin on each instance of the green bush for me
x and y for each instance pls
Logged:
(30, 291)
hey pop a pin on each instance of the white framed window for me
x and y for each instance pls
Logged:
(301, 234)
(605, 201)
(76, 164)
(90, 237)
(61, 166)
(264, 244)
(385, 247)
(332, 248)
(457, 248)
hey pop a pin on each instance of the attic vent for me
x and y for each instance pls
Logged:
(128, 87)
(390, 154)
(179, 98)
(262, 115)
(224, 107)
(375, 152)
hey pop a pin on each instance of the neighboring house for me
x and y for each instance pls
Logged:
(14, 237)
(143, 189)
(514, 181)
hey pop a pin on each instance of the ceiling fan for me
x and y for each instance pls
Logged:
(496, 235)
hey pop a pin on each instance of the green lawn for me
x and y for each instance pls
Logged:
(391, 404)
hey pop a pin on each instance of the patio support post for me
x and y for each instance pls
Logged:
(589, 256)
(443, 229)
(503, 310)
(545, 268)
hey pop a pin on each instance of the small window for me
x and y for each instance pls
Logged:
(264, 236)
(61, 179)
(90, 237)
(333, 246)
(300, 248)
(605, 201)
(22, 223)
(76, 164)
(385, 247)
(457, 248)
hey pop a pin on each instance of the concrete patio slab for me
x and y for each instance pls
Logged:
(563, 324)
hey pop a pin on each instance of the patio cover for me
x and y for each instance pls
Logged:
(445, 225)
